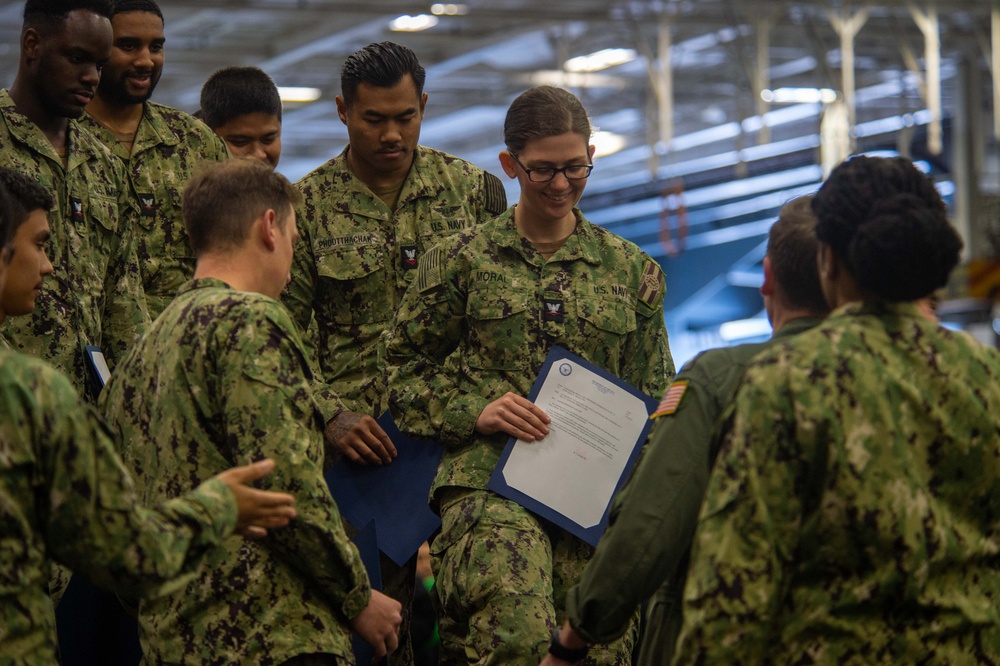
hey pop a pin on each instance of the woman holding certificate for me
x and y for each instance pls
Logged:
(470, 338)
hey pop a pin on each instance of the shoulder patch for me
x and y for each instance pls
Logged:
(671, 399)
(652, 284)
(495, 195)
(429, 270)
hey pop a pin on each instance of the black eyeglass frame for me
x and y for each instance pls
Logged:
(563, 170)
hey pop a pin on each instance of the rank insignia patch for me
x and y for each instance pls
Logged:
(409, 257)
(650, 292)
(554, 310)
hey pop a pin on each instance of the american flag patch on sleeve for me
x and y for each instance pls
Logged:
(671, 399)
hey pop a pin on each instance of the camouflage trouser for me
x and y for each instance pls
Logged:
(501, 576)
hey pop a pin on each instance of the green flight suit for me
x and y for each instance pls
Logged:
(643, 554)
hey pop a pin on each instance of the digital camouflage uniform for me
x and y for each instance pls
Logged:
(851, 517)
(169, 147)
(94, 296)
(490, 295)
(65, 496)
(643, 554)
(352, 265)
(356, 257)
(222, 379)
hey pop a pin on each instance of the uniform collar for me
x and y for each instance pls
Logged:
(905, 309)
(584, 244)
(417, 185)
(796, 326)
(202, 283)
(82, 146)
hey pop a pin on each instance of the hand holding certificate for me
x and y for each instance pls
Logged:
(599, 424)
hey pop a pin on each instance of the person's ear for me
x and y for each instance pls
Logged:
(268, 230)
(507, 164)
(31, 44)
(342, 109)
(767, 289)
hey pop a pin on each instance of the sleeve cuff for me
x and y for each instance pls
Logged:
(356, 601)
(459, 423)
(217, 506)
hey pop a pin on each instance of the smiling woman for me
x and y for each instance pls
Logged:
(496, 299)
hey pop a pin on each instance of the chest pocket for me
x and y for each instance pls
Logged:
(353, 285)
(501, 322)
(601, 327)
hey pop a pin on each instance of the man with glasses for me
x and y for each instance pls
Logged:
(369, 216)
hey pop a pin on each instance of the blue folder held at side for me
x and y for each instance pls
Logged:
(393, 495)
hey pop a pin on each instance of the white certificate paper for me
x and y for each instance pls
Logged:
(598, 425)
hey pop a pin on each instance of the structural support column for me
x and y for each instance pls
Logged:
(660, 71)
(762, 77)
(995, 67)
(847, 27)
(930, 25)
(664, 84)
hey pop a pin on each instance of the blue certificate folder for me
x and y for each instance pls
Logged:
(393, 495)
(499, 485)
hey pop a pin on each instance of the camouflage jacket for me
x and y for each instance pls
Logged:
(642, 555)
(221, 379)
(169, 146)
(356, 258)
(488, 295)
(851, 517)
(65, 496)
(95, 295)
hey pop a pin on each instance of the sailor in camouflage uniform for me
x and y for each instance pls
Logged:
(161, 147)
(95, 296)
(851, 517)
(644, 553)
(368, 218)
(222, 377)
(64, 494)
(500, 296)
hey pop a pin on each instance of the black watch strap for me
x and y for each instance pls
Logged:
(560, 651)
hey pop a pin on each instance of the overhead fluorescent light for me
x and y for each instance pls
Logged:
(741, 329)
(595, 62)
(407, 23)
(294, 94)
(606, 143)
(799, 96)
(441, 9)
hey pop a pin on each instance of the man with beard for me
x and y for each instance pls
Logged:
(160, 146)
(95, 296)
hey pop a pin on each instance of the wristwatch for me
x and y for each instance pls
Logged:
(560, 651)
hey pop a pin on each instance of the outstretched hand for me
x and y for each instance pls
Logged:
(515, 416)
(257, 510)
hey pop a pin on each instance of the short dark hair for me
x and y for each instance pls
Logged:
(148, 6)
(222, 201)
(232, 92)
(791, 247)
(50, 12)
(24, 196)
(381, 64)
(541, 112)
(887, 222)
